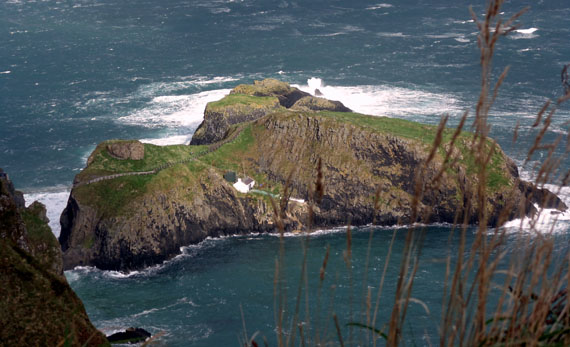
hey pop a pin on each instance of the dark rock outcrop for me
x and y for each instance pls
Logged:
(270, 96)
(133, 150)
(286, 94)
(131, 335)
(158, 224)
(37, 306)
(218, 118)
(314, 103)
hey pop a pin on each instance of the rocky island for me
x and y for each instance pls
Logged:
(136, 204)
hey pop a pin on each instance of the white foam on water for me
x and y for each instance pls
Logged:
(547, 220)
(384, 100)
(171, 140)
(174, 110)
(55, 200)
(146, 312)
(5, 72)
(389, 34)
(463, 21)
(462, 39)
(526, 31)
(379, 6)
(524, 34)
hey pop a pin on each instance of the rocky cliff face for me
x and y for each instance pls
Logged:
(359, 162)
(369, 166)
(160, 222)
(248, 102)
(37, 306)
(219, 116)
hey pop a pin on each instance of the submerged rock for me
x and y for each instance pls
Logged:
(131, 335)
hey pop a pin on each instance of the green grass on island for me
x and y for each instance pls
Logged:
(242, 99)
(113, 196)
(154, 156)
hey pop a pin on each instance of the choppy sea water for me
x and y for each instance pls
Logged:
(75, 73)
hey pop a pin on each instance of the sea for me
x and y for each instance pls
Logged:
(74, 73)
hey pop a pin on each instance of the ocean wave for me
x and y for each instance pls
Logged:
(526, 31)
(546, 220)
(174, 110)
(55, 200)
(391, 34)
(171, 140)
(524, 34)
(385, 100)
(379, 6)
(462, 39)
(185, 252)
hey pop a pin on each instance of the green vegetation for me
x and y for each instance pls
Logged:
(113, 196)
(242, 99)
(102, 163)
(390, 126)
(39, 231)
(239, 154)
(426, 134)
(498, 291)
(230, 156)
(266, 87)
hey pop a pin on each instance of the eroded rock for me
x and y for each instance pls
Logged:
(133, 150)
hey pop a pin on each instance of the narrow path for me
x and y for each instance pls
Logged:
(167, 165)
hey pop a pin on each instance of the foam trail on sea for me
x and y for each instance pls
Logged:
(526, 31)
(529, 33)
(384, 100)
(171, 140)
(55, 200)
(174, 110)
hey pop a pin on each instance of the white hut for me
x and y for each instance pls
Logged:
(244, 185)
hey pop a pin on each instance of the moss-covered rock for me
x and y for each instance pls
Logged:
(313, 103)
(219, 116)
(248, 102)
(37, 306)
(43, 245)
(133, 149)
(286, 94)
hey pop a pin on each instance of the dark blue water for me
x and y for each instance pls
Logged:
(75, 73)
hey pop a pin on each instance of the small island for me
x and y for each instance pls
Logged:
(135, 204)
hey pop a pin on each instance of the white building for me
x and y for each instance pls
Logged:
(245, 185)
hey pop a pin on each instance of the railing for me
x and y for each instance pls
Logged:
(167, 165)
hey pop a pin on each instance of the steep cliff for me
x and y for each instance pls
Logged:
(248, 102)
(132, 221)
(37, 306)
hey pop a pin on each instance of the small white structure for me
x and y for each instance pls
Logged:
(244, 185)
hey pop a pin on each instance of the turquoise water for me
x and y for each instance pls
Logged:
(75, 73)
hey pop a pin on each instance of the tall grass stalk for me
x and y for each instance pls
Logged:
(490, 296)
